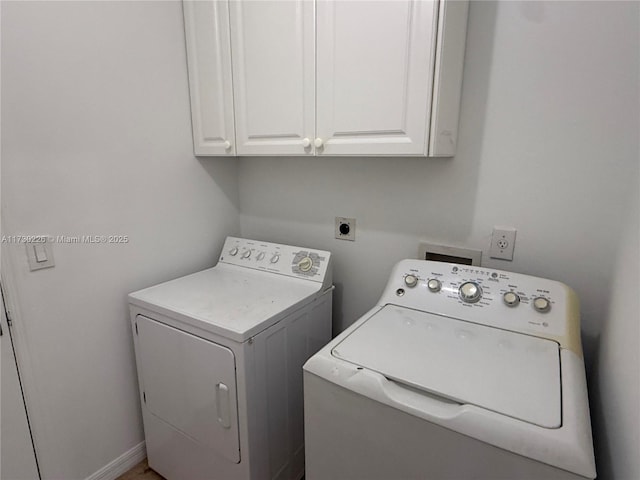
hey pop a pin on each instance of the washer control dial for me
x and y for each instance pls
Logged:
(233, 252)
(511, 299)
(305, 264)
(275, 258)
(410, 280)
(434, 285)
(260, 256)
(246, 254)
(470, 292)
(541, 304)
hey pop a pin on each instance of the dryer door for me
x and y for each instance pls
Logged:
(190, 383)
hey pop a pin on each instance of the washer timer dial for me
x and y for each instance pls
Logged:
(470, 292)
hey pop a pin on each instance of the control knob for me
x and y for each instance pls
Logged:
(305, 264)
(470, 292)
(233, 252)
(434, 285)
(410, 280)
(511, 299)
(541, 304)
(246, 254)
(260, 256)
(275, 258)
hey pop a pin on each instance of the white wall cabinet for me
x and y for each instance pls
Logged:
(210, 84)
(331, 77)
(273, 45)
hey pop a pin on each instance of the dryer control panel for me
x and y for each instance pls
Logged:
(298, 262)
(505, 300)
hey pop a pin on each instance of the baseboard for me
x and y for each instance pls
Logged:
(120, 465)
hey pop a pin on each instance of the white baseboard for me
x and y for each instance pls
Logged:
(120, 465)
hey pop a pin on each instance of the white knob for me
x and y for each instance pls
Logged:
(511, 299)
(233, 252)
(275, 258)
(306, 142)
(246, 254)
(305, 264)
(541, 304)
(470, 292)
(434, 285)
(410, 281)
(318, 142)
(227, 145)
(260, 256)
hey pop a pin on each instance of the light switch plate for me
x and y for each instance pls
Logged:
(40, 254)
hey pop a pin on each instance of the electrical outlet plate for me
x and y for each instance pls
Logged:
(503, 241)
(346, 228)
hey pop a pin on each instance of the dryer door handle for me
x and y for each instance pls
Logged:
(223, 406)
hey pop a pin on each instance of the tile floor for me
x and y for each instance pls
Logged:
(140, 472)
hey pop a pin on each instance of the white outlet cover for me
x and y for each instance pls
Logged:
(503, 242)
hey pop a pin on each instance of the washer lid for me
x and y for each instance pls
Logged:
(510, 373)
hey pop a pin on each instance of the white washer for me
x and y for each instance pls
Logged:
(459, 372)
(219, 356)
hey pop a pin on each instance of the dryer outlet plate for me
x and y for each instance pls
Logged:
(346, 228)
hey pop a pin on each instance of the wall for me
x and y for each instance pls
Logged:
(548, 144)
(97, 140)
(548, 133)
(615, 392)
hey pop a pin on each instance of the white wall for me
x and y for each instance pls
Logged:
(548, 132)
(615, 392)
(96, 140)
(548, 144)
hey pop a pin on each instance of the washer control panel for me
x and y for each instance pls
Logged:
(276, 258)
(507, 300)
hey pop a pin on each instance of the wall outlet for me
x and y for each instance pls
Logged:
(346, 228)
(503, 241)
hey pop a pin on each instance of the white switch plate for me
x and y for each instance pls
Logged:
(503, 241)
(39, 255)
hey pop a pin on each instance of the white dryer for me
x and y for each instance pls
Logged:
(219, 356)
(459, 372)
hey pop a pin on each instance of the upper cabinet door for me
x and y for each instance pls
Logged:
(375, 64)
(273, 46)
(210, 85)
